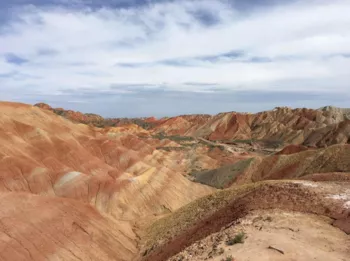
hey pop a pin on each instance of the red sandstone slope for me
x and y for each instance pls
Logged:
(72, 115)
(44, 228)
(97, 120)
(291, 149)
(331, 134)
(296, 126)
(71, 191)
(325, 126)
(74, 192)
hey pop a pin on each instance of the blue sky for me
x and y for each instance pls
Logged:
(162, 58)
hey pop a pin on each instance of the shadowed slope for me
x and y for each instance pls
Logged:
(335, 158)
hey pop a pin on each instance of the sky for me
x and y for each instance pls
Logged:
(134, 58)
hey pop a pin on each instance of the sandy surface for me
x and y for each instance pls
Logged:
(301, 237)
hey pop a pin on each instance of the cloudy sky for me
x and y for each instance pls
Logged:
(162, 58)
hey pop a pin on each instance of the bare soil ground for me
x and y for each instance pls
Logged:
(204, 217)
(273, 235)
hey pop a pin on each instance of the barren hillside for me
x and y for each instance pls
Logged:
(282, 125)
(71, 190)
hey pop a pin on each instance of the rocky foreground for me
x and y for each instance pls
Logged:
(81, 187)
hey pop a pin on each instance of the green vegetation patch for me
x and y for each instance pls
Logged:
(228, 258)
(249, 141)
(222, 177)
(172, 148)
(273, 143)
(176, 138)
(237, 239)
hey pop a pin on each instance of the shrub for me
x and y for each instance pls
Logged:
(237, 239)
(269, 219)
(273, 143)
(228, 258)
(249, 141)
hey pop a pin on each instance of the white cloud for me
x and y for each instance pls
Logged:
(302, 39)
